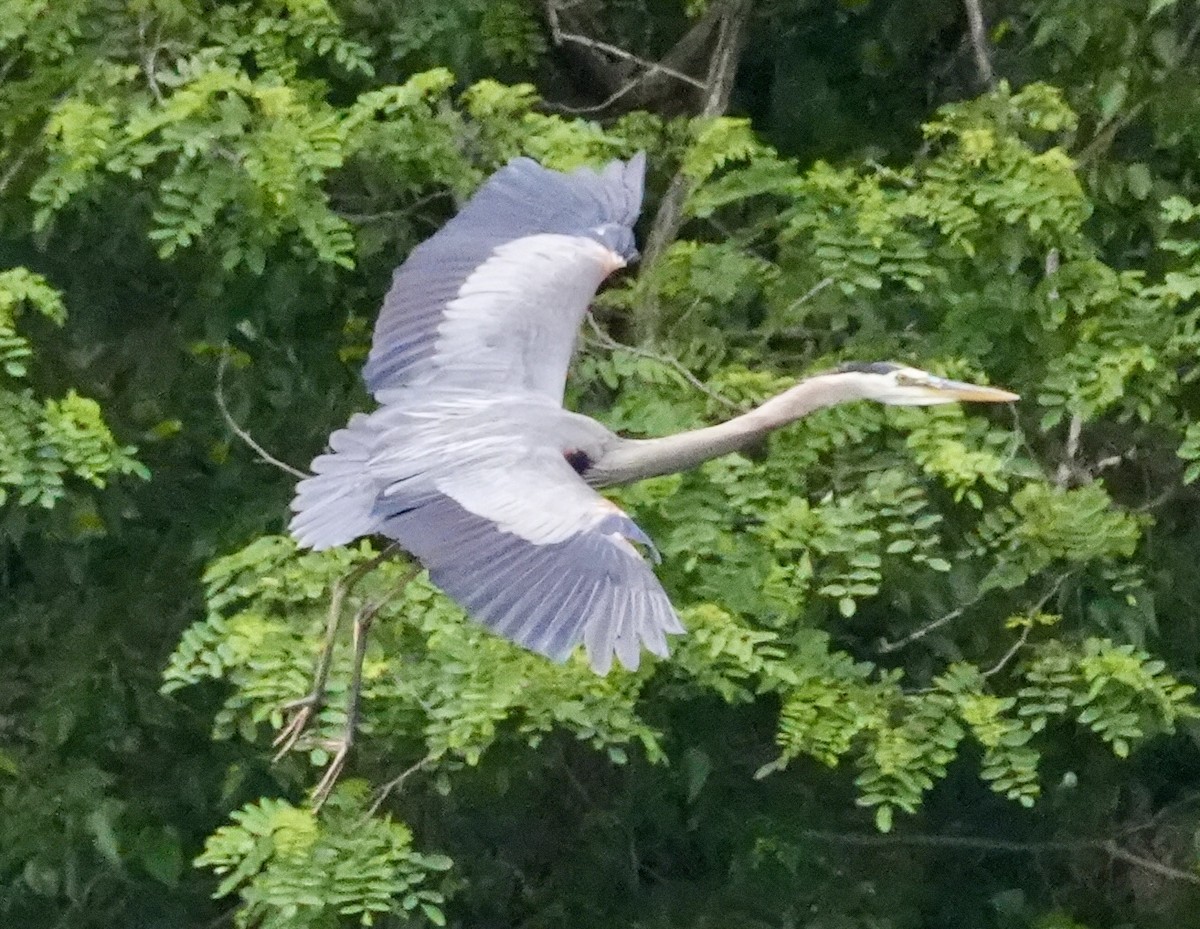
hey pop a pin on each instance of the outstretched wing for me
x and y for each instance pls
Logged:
(495, 298)
(538, 557)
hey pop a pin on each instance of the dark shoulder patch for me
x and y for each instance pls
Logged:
(577, 459)
(868, 367)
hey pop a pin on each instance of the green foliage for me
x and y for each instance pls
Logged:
(291, 870)
(1119, 692)
(45, 442)
(920, 620)
(460, 685)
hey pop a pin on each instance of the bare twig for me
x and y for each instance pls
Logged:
(149, 57)
(886, 648)
(627, 88)
(1052, 264)
(979, 43)
(397, 782)
(652, 67)
(1113, 850)
(621, 74)
(1156, 501)
(237, 430)
(1067, 469)
(1009, 655)
(1021, 641)
(1163, 813)
(16, 164)
(7, 67)
(608, 342)
(409, 210)
(722, 69)
(809, 294)
(1002, 846)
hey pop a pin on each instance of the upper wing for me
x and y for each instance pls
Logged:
(538, 557)
(495, 298)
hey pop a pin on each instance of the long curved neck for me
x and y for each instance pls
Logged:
(630, 460)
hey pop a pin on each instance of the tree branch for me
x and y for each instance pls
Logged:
(652, 67)
(608, 342)
(722, 69)
(237, 430)
(979, 43)
(1003, 846)
(1023, 638)
(17, 162)
(657, 82)
(397, 782)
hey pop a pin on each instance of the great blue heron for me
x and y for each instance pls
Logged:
(471, 464)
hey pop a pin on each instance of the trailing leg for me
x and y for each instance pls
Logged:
(363, 621)
(304, 709)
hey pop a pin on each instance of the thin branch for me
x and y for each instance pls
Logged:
(1031, 613)
(1162, 814)
(886, 648)
(809, 294)
(17, 163)
(397, 213)
(1156, 501)
(656, 79)
(1148, 864)
(1066, 468)
(237, 430)
(1003, 846)
(722, 69)
(1052, 265)
(149, 57)
(1108, 131)
(979, 43)
(1009, 655)
(626, 88)
(363, 620)
(652, 67)
(397, 782)
(7, 67)
(309, 705)
(608, 342)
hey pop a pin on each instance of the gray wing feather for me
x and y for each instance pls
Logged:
(546, 597)
(334, 506)
(519, 201)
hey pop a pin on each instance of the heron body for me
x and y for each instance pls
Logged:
(471, 463)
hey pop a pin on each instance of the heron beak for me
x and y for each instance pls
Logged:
(972, 393)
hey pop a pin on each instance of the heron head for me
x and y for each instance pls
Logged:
(900, 385)
(616, 238)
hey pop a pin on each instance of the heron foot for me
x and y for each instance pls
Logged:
(333, 770)
(303, 711)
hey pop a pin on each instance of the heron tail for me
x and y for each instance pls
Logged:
(336, 505)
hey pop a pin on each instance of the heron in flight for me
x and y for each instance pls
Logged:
(471, 464)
